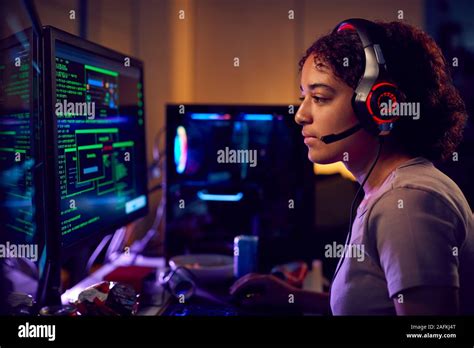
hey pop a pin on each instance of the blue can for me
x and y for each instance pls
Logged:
(245, 255)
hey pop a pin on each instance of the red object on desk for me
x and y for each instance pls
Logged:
(132, 275)
(292, 272)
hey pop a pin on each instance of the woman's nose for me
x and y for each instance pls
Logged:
(303, 115)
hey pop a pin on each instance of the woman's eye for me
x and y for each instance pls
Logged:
(319, 100)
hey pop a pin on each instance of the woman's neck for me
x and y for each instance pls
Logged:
(388, 161)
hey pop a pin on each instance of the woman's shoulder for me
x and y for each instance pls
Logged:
(420, 173)
(426, 177)
(418, 187)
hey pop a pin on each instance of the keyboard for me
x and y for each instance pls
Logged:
(208, 310)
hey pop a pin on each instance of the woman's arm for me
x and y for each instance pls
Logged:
(427, 300)
(417, 245)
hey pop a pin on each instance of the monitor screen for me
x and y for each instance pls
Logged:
(17, 146)
(98, 124)
(234, 170)
(225, 150)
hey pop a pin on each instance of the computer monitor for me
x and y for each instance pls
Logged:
(236, 169)
(22, 230)
(18, 131)
(95, 123)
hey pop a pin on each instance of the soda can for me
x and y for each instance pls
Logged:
(245, 255)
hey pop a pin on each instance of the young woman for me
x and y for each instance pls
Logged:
(414, 224)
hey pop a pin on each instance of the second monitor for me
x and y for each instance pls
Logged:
(96, 137)
(237, 169)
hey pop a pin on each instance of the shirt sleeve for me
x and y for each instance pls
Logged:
(417, 236)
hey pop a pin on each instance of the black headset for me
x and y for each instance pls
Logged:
(375, 87)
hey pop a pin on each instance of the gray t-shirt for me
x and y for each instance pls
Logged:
(416, 230)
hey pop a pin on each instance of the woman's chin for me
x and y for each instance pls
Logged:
(320, 157)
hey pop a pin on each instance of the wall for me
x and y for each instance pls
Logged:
(191, 60)
(57, 14)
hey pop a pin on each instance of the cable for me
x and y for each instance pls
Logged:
(189, 280)
(97, 251)
(139, 246)
(156, 144)
(166, 279)
(155, 169)
(348, 239)
(116, 244)
(115, 239)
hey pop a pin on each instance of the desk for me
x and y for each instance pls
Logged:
(154, 308)
(217, 297)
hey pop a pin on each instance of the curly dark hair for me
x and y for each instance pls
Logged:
(418, 67)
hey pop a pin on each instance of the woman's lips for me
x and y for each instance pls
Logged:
(309, 139)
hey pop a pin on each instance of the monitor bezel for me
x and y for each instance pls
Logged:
(51, 36)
